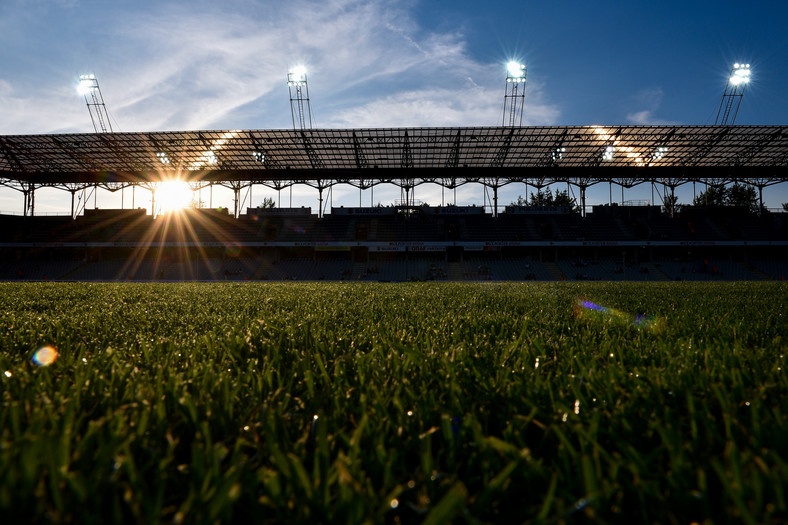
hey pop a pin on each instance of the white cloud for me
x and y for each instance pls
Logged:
(223, 65)
(651, 100)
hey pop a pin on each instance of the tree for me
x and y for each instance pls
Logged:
(560, 199)
(520, 201)
(743, 196)
(785, 206)
(541, 198)
(713, 196)
(739, 195)
(268, 202)
(671, 203)
(196, 202)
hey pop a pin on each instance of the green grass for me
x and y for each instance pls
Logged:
(394, 402)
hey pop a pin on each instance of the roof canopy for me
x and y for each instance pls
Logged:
(440, 154)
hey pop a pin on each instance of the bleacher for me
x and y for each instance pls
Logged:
(398, 244)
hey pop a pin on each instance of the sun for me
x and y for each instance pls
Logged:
(173, 195)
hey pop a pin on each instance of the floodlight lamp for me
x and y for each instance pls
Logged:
(515, 70)
(258, 156)
(740, 74)
(86, 84)
(297, 76)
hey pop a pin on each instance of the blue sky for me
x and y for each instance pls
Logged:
(168, 65)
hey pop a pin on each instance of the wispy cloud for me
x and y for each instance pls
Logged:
(650, 100)
(223, 65)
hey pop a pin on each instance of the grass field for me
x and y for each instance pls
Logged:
(299, 402)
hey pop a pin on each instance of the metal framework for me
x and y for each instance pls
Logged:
(300, 108)
(580, 156)
(733, 94)
(89, 87)
(514, 95)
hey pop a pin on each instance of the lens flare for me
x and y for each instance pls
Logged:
(45, 356)
(590, 310)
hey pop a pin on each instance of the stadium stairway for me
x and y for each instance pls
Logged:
(359, 271)
(752, 270)
(262, 270)
(455, 272)
(72, 275)
(554, 269)
(713, 227)
(656, 273)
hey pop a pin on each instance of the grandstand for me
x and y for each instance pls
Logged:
(406, 241)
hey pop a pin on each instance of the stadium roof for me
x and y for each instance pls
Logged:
(462, 154)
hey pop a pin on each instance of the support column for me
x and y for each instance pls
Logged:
(760, 199)
(30, 199)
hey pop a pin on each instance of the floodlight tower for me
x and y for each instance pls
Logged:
(734, 91)
(514, 96)
(299, 98)
(89, 87)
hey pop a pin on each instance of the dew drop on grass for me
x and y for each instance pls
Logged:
(394, 503)
(577, 406)
(536, 365)
(45, 356)
(580, 505)
(7, 373)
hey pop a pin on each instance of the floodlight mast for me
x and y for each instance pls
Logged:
(514, 95)
(89, 87)
(734, 92)
(300, 108)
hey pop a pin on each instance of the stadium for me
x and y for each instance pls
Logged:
(406, 240)
(155, 371)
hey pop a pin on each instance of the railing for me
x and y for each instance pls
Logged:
(38, 213)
